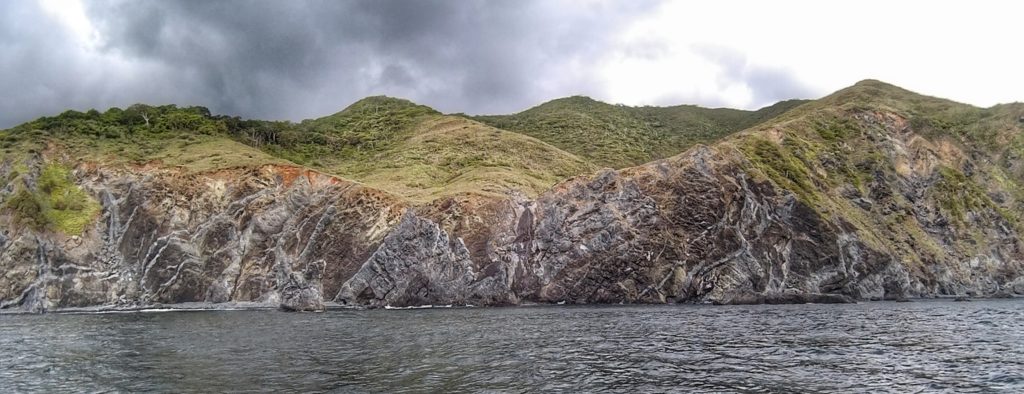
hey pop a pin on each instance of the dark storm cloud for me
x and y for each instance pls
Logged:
(33, 73)
(295, 60)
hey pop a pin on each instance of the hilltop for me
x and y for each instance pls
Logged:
(392, 144)
(620, 136)
(935, 182)
(396, 145)
(415, 151)
(873, 192)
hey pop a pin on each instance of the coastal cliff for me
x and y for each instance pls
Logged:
(864, 194)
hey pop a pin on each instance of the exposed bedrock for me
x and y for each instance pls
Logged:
(695, 228)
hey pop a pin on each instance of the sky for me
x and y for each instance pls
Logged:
(292, 60)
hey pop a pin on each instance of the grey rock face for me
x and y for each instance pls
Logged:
(270, 235)
(696, 229)
(303, 292)
(700, 227)
(417, 264)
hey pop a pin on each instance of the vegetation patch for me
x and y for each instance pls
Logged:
(388, 143)
(57, 204)
(957, 194)
(27, 209)
(779, 165)
(620, 136)
(835, 130)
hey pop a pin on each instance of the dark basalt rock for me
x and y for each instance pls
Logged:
(704, 226)
(303, 293)
(417, 264)
(787, 299)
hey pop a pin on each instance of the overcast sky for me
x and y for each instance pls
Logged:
(295, 60)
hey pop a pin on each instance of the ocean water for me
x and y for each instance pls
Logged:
(868, 347)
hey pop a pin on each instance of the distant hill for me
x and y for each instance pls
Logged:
(873, 192)
(414, 151)
(392, 144)
(923, 178)
(620, 136)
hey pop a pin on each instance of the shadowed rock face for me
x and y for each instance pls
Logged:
(416, 264)
(692, 229)
(302, 292)
(275, 234)
(700, 227)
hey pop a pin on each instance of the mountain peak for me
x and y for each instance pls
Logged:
(876, 87)
(875, 93)
(383, 103)
(577, 102)
(874, 83)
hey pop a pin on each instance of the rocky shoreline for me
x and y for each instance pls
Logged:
(715, 224)
(333, 306)
(693, 229)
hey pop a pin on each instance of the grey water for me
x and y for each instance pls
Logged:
(867, 347)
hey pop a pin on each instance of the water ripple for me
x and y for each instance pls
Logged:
(869, 347)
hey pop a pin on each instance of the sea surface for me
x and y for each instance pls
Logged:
(868, 347)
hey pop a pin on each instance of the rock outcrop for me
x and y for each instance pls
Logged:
(417, 264)
(273, 234)
(770, 215)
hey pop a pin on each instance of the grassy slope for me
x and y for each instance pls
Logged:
(962, 158)
(44, 195)
(203, 144)
(418, 153)
(816, 149)
(450, 155)
(620, 136)
(392, 144)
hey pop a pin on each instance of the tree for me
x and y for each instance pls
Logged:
(136, 114)
(113, 115)
(199, 110)
(179, 120)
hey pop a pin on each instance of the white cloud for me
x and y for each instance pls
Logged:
(71, 14)
(495, 57)
(968, 52)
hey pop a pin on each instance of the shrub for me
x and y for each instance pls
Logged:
(58, 204)
(27, 209)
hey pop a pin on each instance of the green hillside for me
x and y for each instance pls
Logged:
(188, 137)
(903, 168)
(414, 151)
(620, 136)
(813, 148)
(388, 143)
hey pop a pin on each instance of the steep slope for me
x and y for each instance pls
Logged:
(162, 136)
(932, 183)
(873, 192)
(413, 151)
(619, 136)
(160, 204)
(388, 143)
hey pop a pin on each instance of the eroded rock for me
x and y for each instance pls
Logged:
(417, 264)
(699, 227)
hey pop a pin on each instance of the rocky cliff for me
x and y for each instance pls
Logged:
(838, 201)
